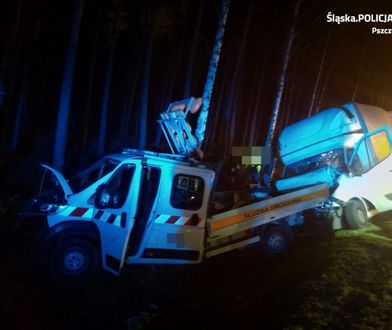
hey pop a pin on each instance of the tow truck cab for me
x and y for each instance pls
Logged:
(150, 209)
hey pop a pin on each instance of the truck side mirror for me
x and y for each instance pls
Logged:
(355, 171)
(356, 168)
(102, 197)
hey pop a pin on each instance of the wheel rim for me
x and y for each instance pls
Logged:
(276, 242)
(74, 261)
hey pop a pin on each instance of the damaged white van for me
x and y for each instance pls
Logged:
(348, 147)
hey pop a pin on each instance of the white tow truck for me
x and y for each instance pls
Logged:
(146, 207)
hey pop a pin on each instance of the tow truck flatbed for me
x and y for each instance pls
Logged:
(224, 228)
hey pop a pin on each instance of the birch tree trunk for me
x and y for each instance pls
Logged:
(170, 84)
(235, 81)
(90, 83)
(192, 51)
(107, 85)
(21, 106)
(144, 93)
(10, 59)
(323, 90)
(258, 96)
(360, 67)
(66, 89)
(125, 129)
(289, 102)
(2, 74)
(215, 133)
(321, 68)
(203, 115)
(282, 79)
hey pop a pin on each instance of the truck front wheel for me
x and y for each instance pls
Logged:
(73, 259)
(274, 240)
(355, 214)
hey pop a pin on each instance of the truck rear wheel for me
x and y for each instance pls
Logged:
(73, 260)
(274, 240)
(355, 214)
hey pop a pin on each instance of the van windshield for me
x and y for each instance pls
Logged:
(92, 174)
(333, 158)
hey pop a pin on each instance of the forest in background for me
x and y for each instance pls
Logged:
(133, 58)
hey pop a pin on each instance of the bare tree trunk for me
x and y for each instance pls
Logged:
(170, 84)
(107, 85)
(258, 97)
(90, 82)
(321, 68)
(215, 137)
(323, 90)
(192, 51)
(360, 67)
(66, 89)
(289, 103)
(246, 137)
(226, 117)
(203, 115)
(282, 79)
(297, 103)
(123, 134)
(2, 74)
(144, 93)
(21, 106)
(10, 59)
(235, 80)
(128, 107)
(215, 133)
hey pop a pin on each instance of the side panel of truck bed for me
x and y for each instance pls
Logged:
(262, 212)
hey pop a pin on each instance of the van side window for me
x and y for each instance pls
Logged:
(187, 192)
(381, 148)
(371, 151)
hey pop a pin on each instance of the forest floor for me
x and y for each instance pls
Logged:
(325, 280)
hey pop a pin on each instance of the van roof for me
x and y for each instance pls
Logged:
(320, 127)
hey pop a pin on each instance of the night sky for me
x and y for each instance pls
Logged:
(337, 63)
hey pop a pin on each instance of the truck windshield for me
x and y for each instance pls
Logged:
(333, 158)
(91, 174)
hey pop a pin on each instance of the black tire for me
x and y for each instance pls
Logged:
(275, 240)
(73, 260)
(355, 214)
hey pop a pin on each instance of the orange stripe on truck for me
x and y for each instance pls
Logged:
(256, 212)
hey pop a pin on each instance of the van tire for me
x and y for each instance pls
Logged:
(275, 240)
(73, 260)
(355, 214)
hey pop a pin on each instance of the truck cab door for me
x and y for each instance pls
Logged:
(114, 213)
(371, 149)
(371, 166)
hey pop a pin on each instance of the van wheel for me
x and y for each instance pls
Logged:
(355, 214)
(275, 240)
(73, 260)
